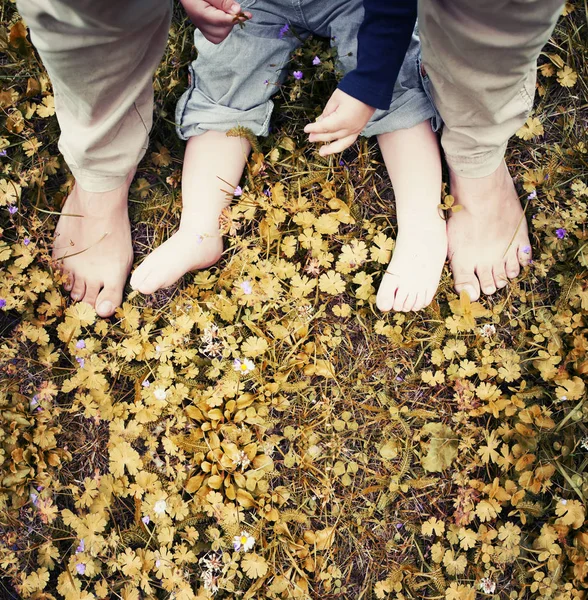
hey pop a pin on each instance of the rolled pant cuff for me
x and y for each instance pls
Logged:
(97, 182)
(475, 168)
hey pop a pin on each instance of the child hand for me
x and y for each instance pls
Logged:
(342, 120)
(215, 18)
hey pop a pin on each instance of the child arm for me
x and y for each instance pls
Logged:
(214, 18)
(383, 38)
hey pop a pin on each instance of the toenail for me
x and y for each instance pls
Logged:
(105, 308)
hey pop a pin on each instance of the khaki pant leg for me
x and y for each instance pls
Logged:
(481, 58)
(100, 56)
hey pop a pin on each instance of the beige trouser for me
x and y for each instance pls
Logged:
(100, 56)
(481, 57)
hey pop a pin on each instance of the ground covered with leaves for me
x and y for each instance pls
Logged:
(261, 430)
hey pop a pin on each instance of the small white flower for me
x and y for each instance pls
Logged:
(563, 501)
(244, 542)
(487, 331)
(160, 394)
(487, 585)
(243, 366)
(210, 581)
(563, 398)
(242, 460)
(247, 288)
(160, 507)
(584, 443)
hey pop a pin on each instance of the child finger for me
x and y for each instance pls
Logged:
(338, 146)
(327, 124)
(327, 137)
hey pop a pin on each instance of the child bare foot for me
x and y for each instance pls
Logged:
(186, 250)
(211, 161)
(414, 165)
(93, 246)
(488, 239)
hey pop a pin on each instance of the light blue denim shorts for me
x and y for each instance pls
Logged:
(232, 83)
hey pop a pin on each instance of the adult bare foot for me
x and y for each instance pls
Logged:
(93, 246)
(210, 162)
(488, 238)
(414, 165)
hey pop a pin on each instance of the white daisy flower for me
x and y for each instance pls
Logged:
(244, 542)
(243, 366)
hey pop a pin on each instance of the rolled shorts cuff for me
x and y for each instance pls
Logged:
(416, 110)
(411, 108)
(196, 114)
(90, 181)
(475, 167)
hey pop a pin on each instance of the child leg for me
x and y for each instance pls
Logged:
(231, 84)
(210, 160)
(414, 165)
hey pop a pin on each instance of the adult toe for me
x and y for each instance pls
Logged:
(79, 289)
(486, 280)
(512, 266)
(92, 291)
(108, 300)
(524, 255)
(69, 284)
(465, 280)
(500, 278)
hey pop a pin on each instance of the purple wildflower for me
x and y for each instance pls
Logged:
(26, 241)
(532, 195)
(298, 75)
(283, 31)
(81, 547)
(81, 361)
(34, 498)
(3, 152)
(2, 303)
(146, 519)
(316, 61)
(81, 568)
(266, 82)
(247, 288)
(12, 210)
(80, 344)
(561, 233)
(146, 383)
(267, 192)
(238, 191)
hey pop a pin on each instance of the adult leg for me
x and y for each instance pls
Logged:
(231, 85)
(100, 57)
(480, 56)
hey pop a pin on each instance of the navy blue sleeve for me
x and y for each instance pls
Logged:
(383, 39)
